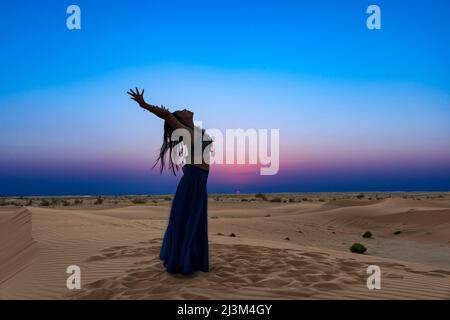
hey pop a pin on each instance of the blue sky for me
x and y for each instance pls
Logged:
(346, 97)
(313, 38)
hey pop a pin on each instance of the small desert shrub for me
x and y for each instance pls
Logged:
(276, 199)
(98, 201)
(261, 196)
(54, 202)
(360, 196)
(358, 248)
(139, 201)
(244, 200)
(44, 203)
(367, 234)
(78, 202)
(397, 233)
(168, 198)
(291, 199)
(3, 202)
(65, 203)
(304, 199)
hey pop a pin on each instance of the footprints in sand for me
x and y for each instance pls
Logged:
(124, 251)
(230, 235)
(239, 271)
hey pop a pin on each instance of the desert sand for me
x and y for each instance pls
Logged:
(274, 246)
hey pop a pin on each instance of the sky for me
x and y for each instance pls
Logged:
(357, 109)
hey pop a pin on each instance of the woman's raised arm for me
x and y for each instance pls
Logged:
(160, 112)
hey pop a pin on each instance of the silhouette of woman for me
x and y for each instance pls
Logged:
(185, 243)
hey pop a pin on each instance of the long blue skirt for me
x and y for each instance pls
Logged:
(185, 243)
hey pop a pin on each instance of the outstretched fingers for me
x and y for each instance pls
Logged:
(136, 95)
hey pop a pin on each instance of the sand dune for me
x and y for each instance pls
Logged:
(257, 272)
(280, 251)
(17, 245)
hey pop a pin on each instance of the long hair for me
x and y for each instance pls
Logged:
(169, 145)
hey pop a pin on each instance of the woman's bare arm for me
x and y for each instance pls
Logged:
(160, 112)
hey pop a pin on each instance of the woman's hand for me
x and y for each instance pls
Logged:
(138, 97)
(162, 112)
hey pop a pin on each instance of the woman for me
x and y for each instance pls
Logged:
(185, 244)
